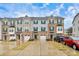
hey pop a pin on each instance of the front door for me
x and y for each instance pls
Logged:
(51, 36)
(18, 36)
(5, 38)
(35, 36)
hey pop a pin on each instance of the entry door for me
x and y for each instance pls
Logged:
(35, 36)
(51, 36)
(5, 38)
(18, 36)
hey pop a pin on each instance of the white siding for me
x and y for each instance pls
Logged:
(75, 26)
(11, 32)
(0, 30)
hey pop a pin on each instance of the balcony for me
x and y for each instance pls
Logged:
(4, 32)
(12, 25)
(59, 24)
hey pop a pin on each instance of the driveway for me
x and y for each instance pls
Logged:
(41, 48)
(37, 48)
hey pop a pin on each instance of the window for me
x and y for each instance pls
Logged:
(51, 21)
(35, 21)
(26, 22)
(51, 28)
(19, 28)
(19, 22)
(35, 28)
(43, 22)
(5, 29)
(11, 30)
(60, 28)
(43, 29)
(5, 22)
(12, 23)
(59, 21)
(26, 30)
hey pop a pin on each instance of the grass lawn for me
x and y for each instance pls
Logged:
(66, 49)
(22, 46)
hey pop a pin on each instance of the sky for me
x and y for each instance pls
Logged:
(65, 10)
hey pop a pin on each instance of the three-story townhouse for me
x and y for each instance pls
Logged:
(5, 29)
(55, 26)
(51, 27)
(0, 29)
(35, 27)
(43, 32)
(59, 26)
(19, 27)
(12, 28)
(39, 27)
(26, 28)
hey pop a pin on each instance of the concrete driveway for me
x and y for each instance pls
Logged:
(41, 48)
(37, 48)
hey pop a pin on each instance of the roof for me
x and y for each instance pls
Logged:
(75, 17)
(59, 17)
(39, 18)
(33, 18)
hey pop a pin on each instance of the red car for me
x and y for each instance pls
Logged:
(72, 41)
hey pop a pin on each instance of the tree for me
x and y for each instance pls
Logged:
(26, 16)
(69, 31)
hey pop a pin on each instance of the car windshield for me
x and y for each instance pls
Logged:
(75, 38)
(61, 37)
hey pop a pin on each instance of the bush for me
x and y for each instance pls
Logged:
(13, 40)
(48, 39)
(31, 39)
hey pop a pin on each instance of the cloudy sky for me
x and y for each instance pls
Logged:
(66, 10)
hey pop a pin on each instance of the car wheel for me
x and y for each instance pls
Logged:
(74, 47)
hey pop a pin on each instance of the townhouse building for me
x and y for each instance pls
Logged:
(11, 29)
(4, 29)
(75, 26)
(24, 28)
(0, 30)
(55, 26)
(8, 28)
(39, 27)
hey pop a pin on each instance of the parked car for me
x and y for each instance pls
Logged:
(72, 41)
(59, 38)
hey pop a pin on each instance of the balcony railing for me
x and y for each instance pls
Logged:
(12, 25)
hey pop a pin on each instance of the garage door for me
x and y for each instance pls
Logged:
(43, 38)
(26, 38)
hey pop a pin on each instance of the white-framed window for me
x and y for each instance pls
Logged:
(51, 21)
(59, 28)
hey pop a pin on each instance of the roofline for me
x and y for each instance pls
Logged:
(75, 17)
(45, 18)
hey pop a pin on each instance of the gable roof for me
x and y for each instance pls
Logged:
(75, 17)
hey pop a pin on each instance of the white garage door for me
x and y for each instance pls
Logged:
(43, 38)
(26, 38)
